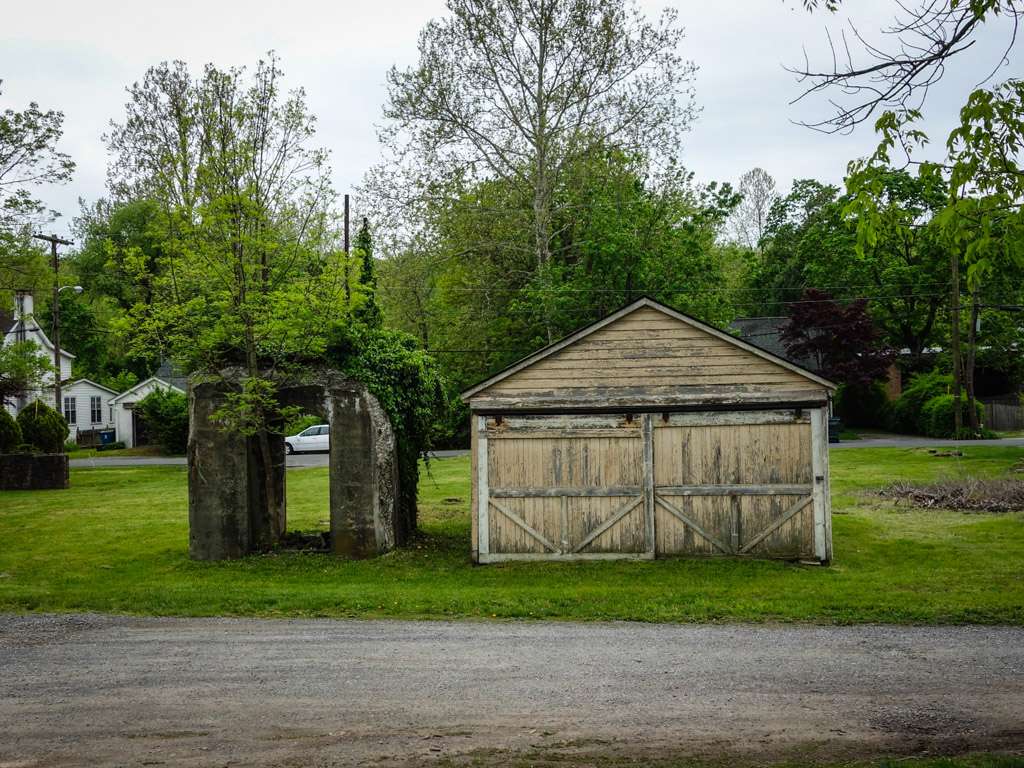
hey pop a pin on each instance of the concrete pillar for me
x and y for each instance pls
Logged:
(227, 511)
(364, 474)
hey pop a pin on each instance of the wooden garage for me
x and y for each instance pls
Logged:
(650, 434)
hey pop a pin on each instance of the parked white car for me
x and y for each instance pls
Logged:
(316, 438)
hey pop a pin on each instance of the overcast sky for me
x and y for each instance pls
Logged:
(78, 57)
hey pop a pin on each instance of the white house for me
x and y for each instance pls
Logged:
(25, 328)
(87, 406)
(130, 430)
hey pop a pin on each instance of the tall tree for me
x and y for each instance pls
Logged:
(474, 294)
(369, 312)
(249, 270)
(29, 159)
(518, 91)
(750, 219)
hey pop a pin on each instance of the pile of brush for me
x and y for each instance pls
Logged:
(964, 495)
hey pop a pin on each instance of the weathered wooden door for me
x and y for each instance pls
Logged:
(561, 487)
(735, 483)
(595, 486)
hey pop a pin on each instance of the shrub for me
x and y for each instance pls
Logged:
(70, 445)
(10, 432)
(111, 446)
(165, 414)
(408, 383)
(864, 406)
(907, 410)
(937, 417)
(43, 428)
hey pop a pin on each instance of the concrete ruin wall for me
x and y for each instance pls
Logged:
(228, 514)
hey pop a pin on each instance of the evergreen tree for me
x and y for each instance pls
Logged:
(369, 312)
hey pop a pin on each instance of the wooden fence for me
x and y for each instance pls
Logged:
(1004, 417)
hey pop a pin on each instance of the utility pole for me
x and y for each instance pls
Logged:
(346, 224)
(348, 290)
(54, 241)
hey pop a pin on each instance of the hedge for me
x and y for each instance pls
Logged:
(937, 418)
(165, 414)
(43, 428)
(10, 432)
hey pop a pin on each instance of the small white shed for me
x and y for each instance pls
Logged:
(129, 429)
(87, 406)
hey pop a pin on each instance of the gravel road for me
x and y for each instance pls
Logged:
(98, 691)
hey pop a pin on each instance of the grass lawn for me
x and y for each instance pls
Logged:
(117, 542)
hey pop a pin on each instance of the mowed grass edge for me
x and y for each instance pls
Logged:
(116, 541)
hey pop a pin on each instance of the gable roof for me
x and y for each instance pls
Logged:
(640, 303)
(39, 335)
(141, 384)
(93, 383)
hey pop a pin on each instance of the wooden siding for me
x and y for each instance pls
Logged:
(773, 456)
(647, 354)
(577, 487)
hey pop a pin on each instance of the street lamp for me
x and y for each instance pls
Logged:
(75, 288)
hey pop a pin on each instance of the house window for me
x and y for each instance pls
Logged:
(96, 409)
(70, 411)
(111, 414)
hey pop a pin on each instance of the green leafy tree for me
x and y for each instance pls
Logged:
(42, 427)
(23, 368)
(472, 291)
(981, 217)
(122, 250)
(248, 271)
(519, 93)
(812, 241)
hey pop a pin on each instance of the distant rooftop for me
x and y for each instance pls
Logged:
(766, 333)
(173, 375)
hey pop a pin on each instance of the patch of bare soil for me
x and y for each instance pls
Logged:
(962, 495)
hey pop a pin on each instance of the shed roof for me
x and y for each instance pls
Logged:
(672, 353)
(151, 380)
(68, 385)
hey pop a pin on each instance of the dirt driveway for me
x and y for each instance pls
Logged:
(91, 690)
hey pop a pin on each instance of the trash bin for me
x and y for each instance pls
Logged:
(835, 426)
(106, 436)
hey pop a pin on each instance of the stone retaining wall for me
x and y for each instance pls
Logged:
(33, 472)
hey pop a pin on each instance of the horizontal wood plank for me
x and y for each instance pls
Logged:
(564, 490)
(553, 434)
(557, 557)
(779, 489)
(734, 418)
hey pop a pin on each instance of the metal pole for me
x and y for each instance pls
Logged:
(53, 240)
